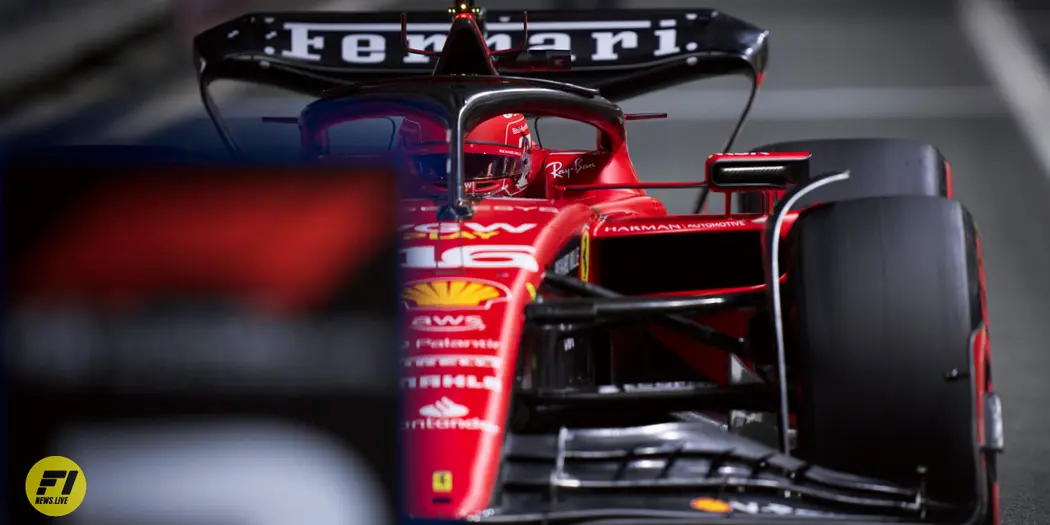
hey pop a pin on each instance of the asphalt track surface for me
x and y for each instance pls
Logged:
(866, 68)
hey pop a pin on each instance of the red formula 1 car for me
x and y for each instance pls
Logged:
(572, 352)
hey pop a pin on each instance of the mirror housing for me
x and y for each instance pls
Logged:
(760, 171)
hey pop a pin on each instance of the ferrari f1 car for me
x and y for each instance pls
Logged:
(574, 353)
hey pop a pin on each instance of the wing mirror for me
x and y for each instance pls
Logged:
(756, 171)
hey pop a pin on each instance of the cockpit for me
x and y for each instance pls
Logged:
(440, 137)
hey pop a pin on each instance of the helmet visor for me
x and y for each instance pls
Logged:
(477, 166)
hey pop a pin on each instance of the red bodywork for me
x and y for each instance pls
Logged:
(466, 285)
(465, 288)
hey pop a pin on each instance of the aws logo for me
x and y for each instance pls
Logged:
(448, 323)
(453, 293)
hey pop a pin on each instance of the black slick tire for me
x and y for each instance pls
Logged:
(885, 296)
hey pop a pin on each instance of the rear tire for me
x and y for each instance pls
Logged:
(886, 296)
(878, 167)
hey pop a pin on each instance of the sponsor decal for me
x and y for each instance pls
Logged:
(526, 162)
(778, 509)
(568, 262)
(531, 288)
(454, 230)
(462, 293)
(687, 226)
(485, 208)
(712, 505)
(447, 323)
(442, 481)
(523, 179)
(498, 256)
(585, 255)
(456, 344)
(655, 387)
(744, 154)
(503, 207)
(379, 44)
(446, 414)
(718, 506)
(559, 170)
(461, 381)
(450, 361)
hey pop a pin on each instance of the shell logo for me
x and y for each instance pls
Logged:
(453, 293)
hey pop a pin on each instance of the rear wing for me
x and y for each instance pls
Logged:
(623, 53)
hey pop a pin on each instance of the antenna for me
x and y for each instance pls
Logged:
(524, 40)
(404, 39)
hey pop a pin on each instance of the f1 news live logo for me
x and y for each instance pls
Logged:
(56, 486)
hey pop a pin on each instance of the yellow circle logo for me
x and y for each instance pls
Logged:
(56, 486)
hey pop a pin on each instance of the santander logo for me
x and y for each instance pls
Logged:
(444, 407)
(446, 414)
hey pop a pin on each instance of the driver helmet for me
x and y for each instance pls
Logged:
(497, 155)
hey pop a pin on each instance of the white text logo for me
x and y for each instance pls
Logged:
(448, 361)
(445, 414)
(486, 207)
(559, 171)
(368, 43)
(457, 344)
(468, 230)
(568, 262)
(447, 323)
(494, 256)
(471, 382)
(638, 228)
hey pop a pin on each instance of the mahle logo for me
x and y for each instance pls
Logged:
(56, 486)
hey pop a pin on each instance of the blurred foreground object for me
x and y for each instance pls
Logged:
(211, 343)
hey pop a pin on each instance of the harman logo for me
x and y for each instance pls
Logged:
(453, 293)
(684, 226)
